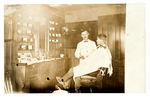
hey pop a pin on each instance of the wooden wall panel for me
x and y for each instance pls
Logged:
(71, 57)
(114, 27)
(74, 34)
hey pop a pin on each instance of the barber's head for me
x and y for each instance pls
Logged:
(101, 39)
(85, 35)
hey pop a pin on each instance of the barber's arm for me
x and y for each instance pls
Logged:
(94, 46)
(78, 53)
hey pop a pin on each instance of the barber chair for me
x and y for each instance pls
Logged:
(92, 80)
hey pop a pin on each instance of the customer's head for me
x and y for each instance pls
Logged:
(101, 38)
(85, 35)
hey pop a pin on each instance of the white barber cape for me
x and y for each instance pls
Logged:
(101, 57)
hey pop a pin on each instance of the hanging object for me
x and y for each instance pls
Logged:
(56, 40)
(28, 31)
(19, 31)
(57, 35)
(23, 47)
(25, 39)
(53, 40)
(29, 47)
(31, 40)
(53, 35)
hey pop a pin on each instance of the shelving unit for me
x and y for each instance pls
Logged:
(55, 36)
(24, 38)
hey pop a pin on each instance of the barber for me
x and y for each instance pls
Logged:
(83, 50)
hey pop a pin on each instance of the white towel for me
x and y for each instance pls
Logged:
(99, 58)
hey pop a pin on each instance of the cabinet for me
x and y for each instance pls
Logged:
(40, 76)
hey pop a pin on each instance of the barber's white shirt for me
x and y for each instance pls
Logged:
(85, 49)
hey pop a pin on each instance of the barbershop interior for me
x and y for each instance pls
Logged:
(40, 41)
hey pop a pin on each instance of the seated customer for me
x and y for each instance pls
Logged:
(100, 58)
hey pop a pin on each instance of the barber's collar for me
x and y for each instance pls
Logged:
(86, 40)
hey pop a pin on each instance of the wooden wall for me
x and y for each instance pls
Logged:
(69, 53)
(90, 12)
(73, 37)
(114, 27)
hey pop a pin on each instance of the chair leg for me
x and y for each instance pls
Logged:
(77, 90)
(91, 90)
(77, 83)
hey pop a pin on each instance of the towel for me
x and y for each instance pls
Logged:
(101, 57)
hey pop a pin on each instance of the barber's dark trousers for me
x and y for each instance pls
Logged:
(68, 75)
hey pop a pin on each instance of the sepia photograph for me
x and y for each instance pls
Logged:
(67, 48)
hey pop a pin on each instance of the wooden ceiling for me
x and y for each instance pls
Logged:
(66, 8)
(73, 7)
